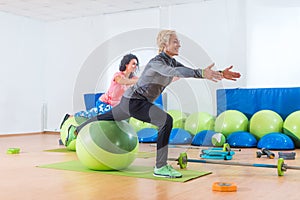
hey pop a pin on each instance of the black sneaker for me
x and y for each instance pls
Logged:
(72, 135)
(65, 118)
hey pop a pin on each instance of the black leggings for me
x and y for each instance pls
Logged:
(146, 112)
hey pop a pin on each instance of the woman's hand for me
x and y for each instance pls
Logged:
(212, 75)
(227, 74)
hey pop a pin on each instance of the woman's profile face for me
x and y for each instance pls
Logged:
(172, 48)
(132, 65)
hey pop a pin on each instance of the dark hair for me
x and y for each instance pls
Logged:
(126, 60)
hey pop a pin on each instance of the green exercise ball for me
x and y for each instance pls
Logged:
(264, 122)
(75, 121)
(178, 118)
(199, 121)
(107, 145)
(218, 139)
(72, 145)
(291, 127)
(139, 125)
(231, 121)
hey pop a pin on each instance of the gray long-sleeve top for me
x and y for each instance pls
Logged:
(157, 75)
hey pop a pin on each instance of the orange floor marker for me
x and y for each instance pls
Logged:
(224, 187)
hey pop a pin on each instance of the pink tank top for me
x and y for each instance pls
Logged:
(114, 94)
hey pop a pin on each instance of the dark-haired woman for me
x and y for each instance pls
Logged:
(120, 82)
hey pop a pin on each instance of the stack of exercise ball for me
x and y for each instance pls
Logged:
(199, 121)
(264, 122)
(259, 130)
(276, 141)
(291, 127)
(265, 129)
(231, 121)
(241, 139)
(201, 126)
(178, 134)
(179, 118)
(203, 138)
(147, 135)
(266, 126)
(146, 132)
(139, 125)
(233, 124)
(107, 145)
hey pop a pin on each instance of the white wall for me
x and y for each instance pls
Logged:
(70, 43)
(218, 27)
(21, 82)
(273, 43)
(216, 34)
(42, 62)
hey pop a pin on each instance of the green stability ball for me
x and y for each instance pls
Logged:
(107, 145)
(139, 125)
(291, 127)
(75, 121)
(231, 121)
(264, 122)
(199, 121)
(178, 118)
(218, 139)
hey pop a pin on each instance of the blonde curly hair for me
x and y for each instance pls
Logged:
(163, 38)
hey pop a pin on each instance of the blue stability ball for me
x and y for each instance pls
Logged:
(147, 135)
(276, 141)
(180, 136)
(203, 138)
(241, 139)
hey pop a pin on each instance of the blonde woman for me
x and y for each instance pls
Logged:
(137, 101)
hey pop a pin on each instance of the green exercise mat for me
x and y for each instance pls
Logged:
(140, 154)
(131, 171)
(60, 150)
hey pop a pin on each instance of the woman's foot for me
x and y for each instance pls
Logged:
(167, 171)
(72, 135)
(65, 119)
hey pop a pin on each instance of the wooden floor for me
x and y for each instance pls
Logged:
(21, 179)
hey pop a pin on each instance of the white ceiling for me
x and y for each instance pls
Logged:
(51, 10)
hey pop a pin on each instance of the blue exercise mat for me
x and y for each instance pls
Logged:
(248, 101)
